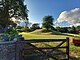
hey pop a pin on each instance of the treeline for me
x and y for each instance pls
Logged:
(74, 30)
(29, 29)
(49, 27)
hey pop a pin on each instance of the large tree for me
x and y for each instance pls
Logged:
(48, 22)
(12, 8)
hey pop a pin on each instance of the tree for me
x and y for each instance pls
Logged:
(73, 29)
(78, 28)
(12, 8)
(47, 22)
(34, 26)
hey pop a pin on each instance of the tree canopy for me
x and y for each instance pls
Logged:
(12, 8)
(47, 22)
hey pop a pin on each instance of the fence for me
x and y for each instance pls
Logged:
(43, 53)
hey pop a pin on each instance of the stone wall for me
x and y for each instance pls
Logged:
(8, 50)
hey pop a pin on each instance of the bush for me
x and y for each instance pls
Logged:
(24, 30)
(34, 27)
(27, 29)
(44, 30)
(19, 27)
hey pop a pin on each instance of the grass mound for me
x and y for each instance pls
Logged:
(41, 31)
(45, 32)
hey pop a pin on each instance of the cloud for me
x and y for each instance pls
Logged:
(72, 16)
(77, 24)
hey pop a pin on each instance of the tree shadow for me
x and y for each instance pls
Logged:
(70, 57)
(48, 58)
(74, 58)
(59, 33)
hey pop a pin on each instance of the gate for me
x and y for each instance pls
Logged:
(31, 50)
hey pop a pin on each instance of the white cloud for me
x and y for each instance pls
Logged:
(77, 24)
(72, 16)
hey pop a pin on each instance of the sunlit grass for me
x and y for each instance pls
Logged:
(42, 36)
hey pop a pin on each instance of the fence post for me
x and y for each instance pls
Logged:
(67, 44)
(18, 49)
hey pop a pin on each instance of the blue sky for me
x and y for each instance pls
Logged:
(40, 8)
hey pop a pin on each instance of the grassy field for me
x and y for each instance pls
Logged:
(74, 50)
(41, 36)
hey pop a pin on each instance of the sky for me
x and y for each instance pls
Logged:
(64, 12)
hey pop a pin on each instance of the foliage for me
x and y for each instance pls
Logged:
(12, 8)
(73, 29)
(62, 29)
(0, 27)
(11, 31)
(9, 34)
(78, 29)
(27, 29)
(23, 29)
(70, 30)
(47, 22)
(67, 29)
(34, 27)
(19, 27)
(44, 30)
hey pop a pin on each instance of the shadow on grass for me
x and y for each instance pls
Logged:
(48, 58)
(59, 33)
(70, 57)
(28, 52)
(73, 58)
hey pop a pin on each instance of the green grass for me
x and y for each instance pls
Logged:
(39, 34)
(42, 36)
(74, 50)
